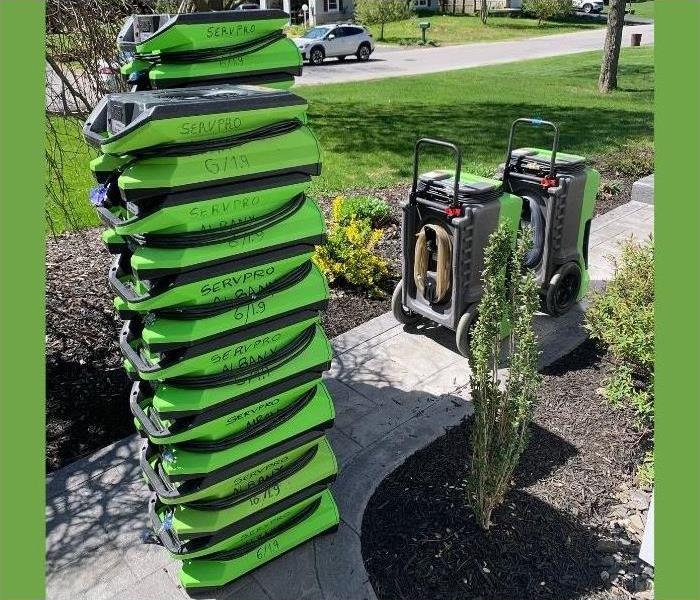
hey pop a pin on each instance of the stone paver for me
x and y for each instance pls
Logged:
(394, 390)
(643, 190)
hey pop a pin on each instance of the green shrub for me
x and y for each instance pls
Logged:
(544, 10)
(622, 317)
(502, 409)
(634, 159)
(348, 252)
(374, 210)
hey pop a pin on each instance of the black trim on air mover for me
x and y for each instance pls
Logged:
(133, 329)
(140, 194)
(196, 482)
(212, 106)
(292, 71)
(219, 235)
(203, 541)
(192, 419)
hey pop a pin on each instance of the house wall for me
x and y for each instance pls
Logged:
(472, 6)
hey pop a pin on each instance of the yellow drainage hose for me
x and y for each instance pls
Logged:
(421, 258)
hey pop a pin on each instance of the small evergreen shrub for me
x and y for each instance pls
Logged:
(622, 318)
(502, 408)
(374, 210)
(349, 252)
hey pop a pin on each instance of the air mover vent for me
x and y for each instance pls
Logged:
(439, 186)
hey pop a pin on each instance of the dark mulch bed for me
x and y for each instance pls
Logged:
(420, 540)
(86, 387)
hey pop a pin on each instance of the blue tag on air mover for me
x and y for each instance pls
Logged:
(98, 195)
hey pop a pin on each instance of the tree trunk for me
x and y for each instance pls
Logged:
(611, 52)
(381, 32)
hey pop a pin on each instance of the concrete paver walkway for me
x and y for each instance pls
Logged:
(394, 390)
(389, 62)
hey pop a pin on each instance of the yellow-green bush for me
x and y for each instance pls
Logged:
(349, 251)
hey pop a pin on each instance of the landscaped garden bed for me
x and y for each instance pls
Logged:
(568, 529)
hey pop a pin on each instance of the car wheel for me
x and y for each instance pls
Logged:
(588, 8)
(316, 56)
(363, 52)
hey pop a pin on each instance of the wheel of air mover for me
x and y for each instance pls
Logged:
(316, 56)
(464, 330)
(363, 52)
(401, 313)
(563, 289)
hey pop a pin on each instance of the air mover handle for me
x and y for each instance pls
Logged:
(534, 123)
(442, 143)
(140, 415)
(125, 338)
(116, 270)
(96, 124)
(153, 478)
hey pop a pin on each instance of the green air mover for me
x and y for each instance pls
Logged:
(236, 46)
(318, 516)
(206, 471)
(305, 289)
(275, 61)
(220, 358)
(197, 31)
(209, 290)
(197, 528)
(252, 528)
(137, 122)
(298, 222)
(168, 414)
(206, 212)
(287, 148)
(446, 225)
(560, 194)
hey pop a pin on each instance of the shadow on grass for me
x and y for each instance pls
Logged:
(480, 129)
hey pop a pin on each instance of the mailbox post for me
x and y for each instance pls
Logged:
(424, 26)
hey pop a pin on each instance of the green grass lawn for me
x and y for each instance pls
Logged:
(368, 129)
(463, 29)
(643, 9)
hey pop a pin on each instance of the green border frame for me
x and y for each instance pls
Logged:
(22, 388)
(677, 225)
(22, 385)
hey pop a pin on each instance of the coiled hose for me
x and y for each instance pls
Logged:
(443, 273)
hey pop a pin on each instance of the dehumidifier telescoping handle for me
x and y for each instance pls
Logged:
(442, 143)
(534, 123)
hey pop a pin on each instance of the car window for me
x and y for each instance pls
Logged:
(353, 30)
(340, 31)
(316, 33)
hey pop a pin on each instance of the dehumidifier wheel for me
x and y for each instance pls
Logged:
(464, 330)
(563, 289)
(401, 313)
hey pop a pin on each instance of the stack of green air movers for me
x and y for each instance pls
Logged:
(236, 46)
(203, 191)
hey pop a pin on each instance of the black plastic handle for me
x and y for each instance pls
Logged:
(128, 335)
(135, 398)
(117, 270)
(443, 144)
(155, 481)
(534, 123)
(96, 124)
